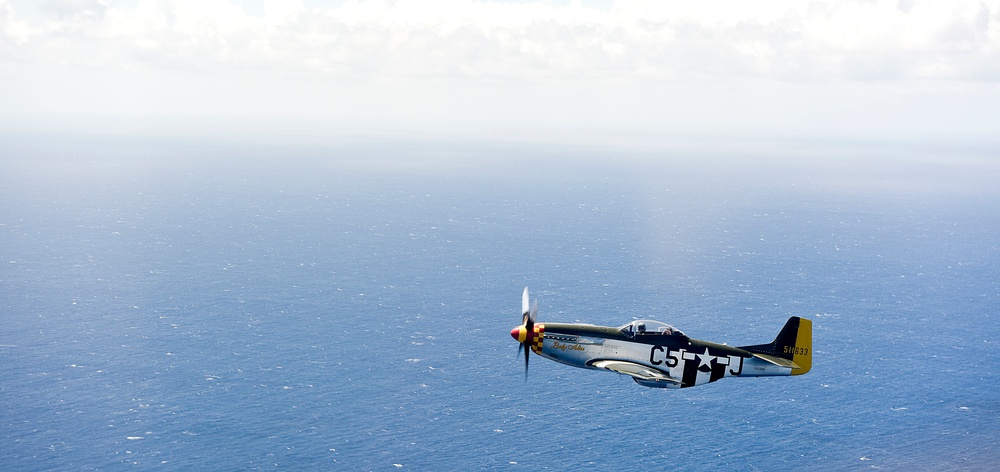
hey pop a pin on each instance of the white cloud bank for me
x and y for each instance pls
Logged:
(822, 67)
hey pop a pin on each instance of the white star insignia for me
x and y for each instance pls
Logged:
(705, 359)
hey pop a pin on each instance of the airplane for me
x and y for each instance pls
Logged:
(655, 354)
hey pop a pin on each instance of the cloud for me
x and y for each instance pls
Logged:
(64, 9)
(851, 40)
(625, 61)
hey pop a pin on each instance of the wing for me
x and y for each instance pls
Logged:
(636, 371)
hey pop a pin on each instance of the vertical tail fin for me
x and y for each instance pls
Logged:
(793, 343)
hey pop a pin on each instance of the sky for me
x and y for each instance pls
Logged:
(899, 69)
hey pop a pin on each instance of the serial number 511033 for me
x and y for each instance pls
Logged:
(801, 351)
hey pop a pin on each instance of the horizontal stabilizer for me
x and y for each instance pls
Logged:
(777, 361)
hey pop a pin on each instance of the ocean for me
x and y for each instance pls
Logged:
(207, 304)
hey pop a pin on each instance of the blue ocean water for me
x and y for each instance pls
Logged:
(347, 306)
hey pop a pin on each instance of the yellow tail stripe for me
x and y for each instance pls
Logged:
(803, 347)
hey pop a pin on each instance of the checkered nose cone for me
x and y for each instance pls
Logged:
(537, 337)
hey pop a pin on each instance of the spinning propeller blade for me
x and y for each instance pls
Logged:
(523, 333)
(524, 302)
(525, 363)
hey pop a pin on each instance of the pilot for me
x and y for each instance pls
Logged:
(642, 328)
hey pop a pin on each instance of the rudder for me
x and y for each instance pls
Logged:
(801, 350)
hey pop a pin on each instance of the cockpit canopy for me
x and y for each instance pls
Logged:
(649, 327)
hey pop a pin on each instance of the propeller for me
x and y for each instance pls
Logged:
(525, 334)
